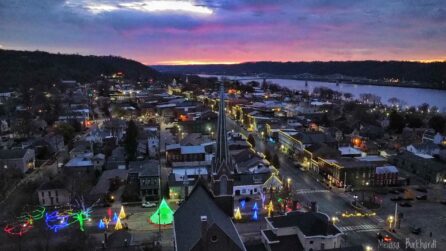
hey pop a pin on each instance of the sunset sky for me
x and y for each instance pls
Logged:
(229, 31)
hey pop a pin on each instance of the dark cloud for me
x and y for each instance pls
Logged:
(243, 30)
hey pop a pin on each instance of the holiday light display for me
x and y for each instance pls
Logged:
(243, 203)
(109, 213)
(255, 207)
(101, 224)
(106, 222)
(163, 215)
(122, 213)
(270, 208)
(32, 216)
(115, 217)
(59, 220)
(24, 222)
(118, 225)
(56, 221)
(255, 216)
(18, 228)
(238, 214)
(263, 196)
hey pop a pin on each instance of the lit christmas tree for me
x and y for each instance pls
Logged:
(115, 217)
(238, 215)
(118, 225)
(255, 207)
(101, 224)
(270, 208)
(255, 216)
(122, 213)
(162, 216)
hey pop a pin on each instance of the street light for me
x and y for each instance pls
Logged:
(368, 248)
(334, 219)
(390, 219)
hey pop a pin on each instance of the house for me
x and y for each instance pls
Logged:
(146, 174)
(53, 193)
(424, 166)
(82, 149)
(201, 225)
(21, 159)
(427, 147)
(306, 231)
(179, 153)
(249, 183)
(79, 164)
(117, 159)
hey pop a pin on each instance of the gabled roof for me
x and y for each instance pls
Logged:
(12, 154)
(187, 219)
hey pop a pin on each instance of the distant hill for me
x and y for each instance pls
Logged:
(431, 74)
(42, 68)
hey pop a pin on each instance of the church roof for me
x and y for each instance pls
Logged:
(187, 219)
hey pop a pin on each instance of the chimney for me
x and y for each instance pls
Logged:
(204, 230)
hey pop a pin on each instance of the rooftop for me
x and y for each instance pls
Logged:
(310, 223)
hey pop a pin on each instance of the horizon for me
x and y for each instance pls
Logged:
(182, 32)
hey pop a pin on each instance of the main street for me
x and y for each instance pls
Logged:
(359, 230)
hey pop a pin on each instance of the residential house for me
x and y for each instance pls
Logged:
(424, 166)
(53, 193)
(146, 174)
(21, 159)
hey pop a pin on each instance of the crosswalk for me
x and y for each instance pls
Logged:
(361, 228)
(308, 191)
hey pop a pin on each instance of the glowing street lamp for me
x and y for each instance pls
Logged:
(334, 219)
(390, 219)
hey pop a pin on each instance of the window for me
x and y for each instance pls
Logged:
(56, 193)
(311, 242)
(214, 238)
(49, 193)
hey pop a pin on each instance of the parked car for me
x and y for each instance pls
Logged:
(397, 198)
(148, 204)
(386, 238)
(405, 204)
(421, 197)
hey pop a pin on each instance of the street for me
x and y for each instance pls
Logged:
(359, 230)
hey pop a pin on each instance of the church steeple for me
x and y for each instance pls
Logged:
(222, 153)
(222, 168)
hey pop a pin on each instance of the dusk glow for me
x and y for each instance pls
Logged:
(184, 32)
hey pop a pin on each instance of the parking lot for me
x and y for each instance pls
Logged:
(429, 215)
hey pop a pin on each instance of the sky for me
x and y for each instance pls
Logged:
(229, 31)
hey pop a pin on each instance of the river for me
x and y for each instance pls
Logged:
(410, 96)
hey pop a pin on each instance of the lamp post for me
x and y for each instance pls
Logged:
(390, 219)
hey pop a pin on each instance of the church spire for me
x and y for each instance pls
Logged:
(222, 153)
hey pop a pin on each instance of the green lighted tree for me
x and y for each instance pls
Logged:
(163, 215)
